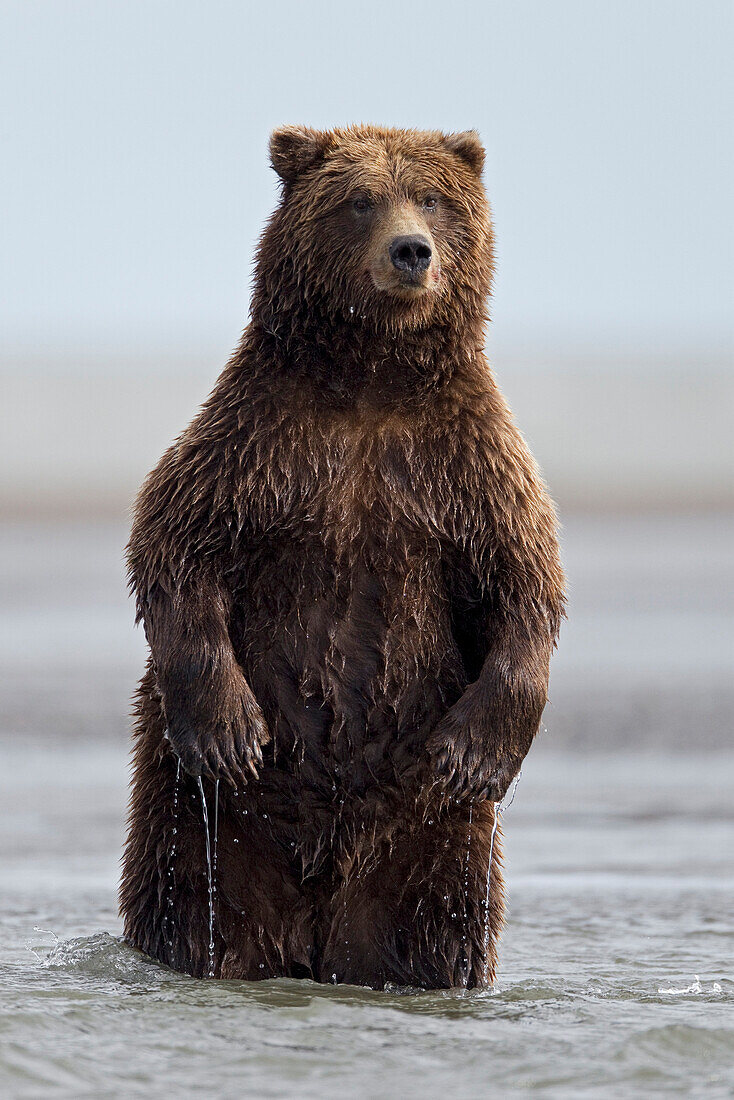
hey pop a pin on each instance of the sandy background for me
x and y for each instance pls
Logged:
(622, 433)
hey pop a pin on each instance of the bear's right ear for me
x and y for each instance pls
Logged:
(468, 146)
(293, 149)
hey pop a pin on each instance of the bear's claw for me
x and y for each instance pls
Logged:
(223, 755)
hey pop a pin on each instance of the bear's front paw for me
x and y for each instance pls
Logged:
(225, 749)
(466, 764)
(469, 777)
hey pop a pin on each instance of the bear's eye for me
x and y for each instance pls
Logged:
(361, 204)
(430, 202)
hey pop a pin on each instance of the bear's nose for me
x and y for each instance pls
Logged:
(411, 254)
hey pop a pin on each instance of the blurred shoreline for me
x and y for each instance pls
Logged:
(78, 435)
(644, 662)
(637, 454)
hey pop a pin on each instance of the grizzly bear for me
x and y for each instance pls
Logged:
(348, 574)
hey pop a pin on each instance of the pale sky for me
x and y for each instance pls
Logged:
(134, 179)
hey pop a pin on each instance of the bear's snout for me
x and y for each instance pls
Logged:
(411, 254)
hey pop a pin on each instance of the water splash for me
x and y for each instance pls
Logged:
(499, 809)
(209, 870)
(46, 932)
(465, 937)
(696, 987)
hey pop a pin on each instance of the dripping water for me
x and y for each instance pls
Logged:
(168, 919)
(466, 897)
(345, 913)
(209, 873)
(514, 792)
(498, 811)
(216, 832)
(214, 879)
(346, 931)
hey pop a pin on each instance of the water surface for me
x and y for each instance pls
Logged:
(616, 973)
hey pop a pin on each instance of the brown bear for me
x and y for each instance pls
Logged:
(348, 573)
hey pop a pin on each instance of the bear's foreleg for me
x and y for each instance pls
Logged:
(213, 720)
(479, 745)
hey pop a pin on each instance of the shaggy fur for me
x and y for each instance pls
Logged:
(348, 574)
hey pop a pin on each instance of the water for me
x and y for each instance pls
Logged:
(498, 811)
(211, 863)
(172, 855)
(466, 894)
(620, 886)
(616, 970)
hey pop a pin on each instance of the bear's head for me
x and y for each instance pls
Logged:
(385, 228)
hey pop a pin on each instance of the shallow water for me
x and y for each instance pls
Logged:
(619, 860)
(621, 893)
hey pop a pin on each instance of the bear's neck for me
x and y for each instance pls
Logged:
(346, 356)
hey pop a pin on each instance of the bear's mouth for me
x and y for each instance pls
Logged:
(413, 282)
(406, 285)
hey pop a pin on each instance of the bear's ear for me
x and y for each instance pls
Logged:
(293, 149)
(468, 146)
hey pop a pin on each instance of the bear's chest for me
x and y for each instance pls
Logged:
(374, 478)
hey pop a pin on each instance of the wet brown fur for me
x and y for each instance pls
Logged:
(348, 574)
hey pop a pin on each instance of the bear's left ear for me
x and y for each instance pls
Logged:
(293, 149)
(468, 146)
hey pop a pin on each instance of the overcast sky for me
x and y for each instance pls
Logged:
(134, 175)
